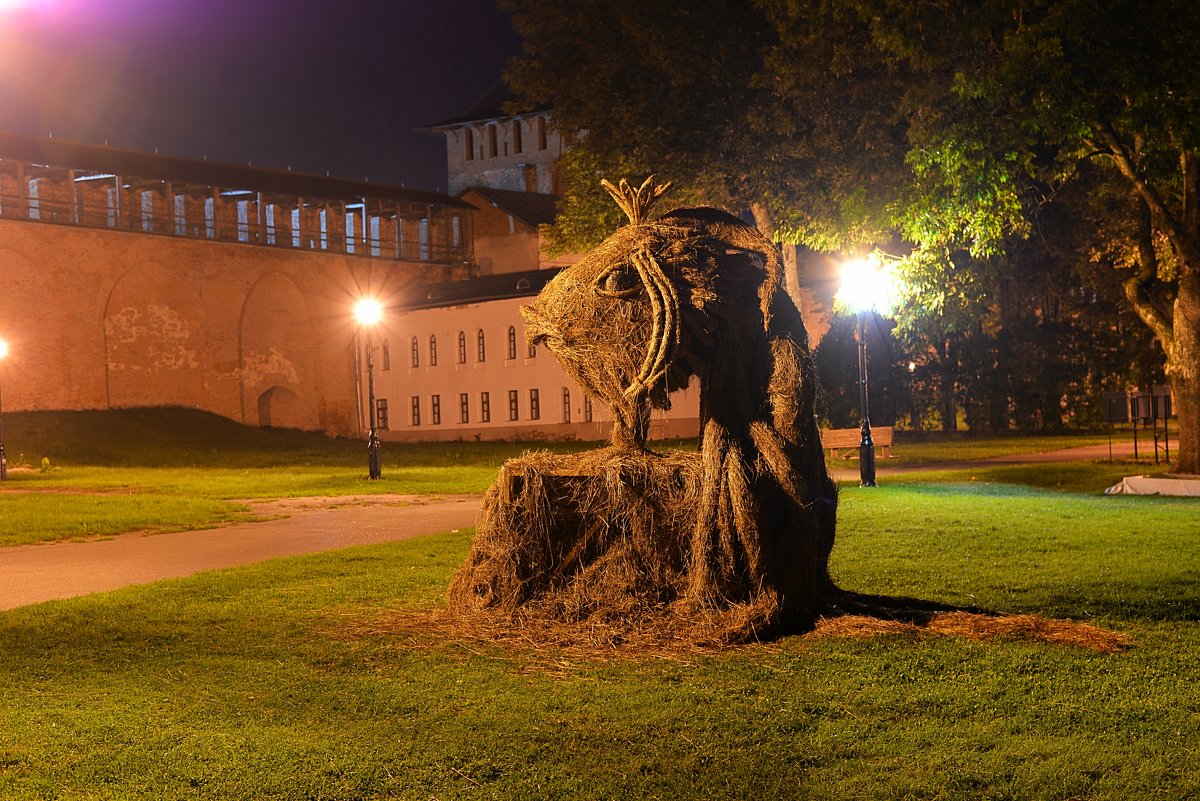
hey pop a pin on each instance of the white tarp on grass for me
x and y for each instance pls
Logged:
(1162, 484)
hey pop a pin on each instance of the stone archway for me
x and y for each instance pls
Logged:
(153, 333)
(279, 407)
(278, 354)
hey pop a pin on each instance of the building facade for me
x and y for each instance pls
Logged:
(132, 279)
(453, 364)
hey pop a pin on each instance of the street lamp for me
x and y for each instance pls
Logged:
(865, 288)
(3, 458)
(369, 312)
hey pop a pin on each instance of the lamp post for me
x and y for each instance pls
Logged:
(866, 446)
(369, 312)
(865, 289)
(3, 458)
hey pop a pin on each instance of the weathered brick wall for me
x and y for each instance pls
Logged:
(98, 319)
(530, 167)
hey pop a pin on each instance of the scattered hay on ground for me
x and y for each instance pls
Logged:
(552, 646)
(979, 626)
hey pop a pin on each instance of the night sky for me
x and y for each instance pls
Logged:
(317, 85)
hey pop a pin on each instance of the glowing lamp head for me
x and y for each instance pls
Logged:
(3, 348)
(368, 311)
(867, 286)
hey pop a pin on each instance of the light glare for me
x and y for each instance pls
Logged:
(368, 311)
(3, 348)
(867, 285)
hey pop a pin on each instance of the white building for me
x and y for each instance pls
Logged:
(452, 362)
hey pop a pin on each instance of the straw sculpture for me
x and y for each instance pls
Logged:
(729, 543)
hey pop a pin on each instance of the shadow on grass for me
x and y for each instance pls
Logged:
(852, 614)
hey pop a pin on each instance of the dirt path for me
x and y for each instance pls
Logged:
(34, 573)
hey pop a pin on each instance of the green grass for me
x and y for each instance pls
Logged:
(247, 684)
(167, 469)
(915, 448)
(171, 469)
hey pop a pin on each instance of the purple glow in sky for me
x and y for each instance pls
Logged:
(308, 84)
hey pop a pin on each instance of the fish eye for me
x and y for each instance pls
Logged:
(620, 282)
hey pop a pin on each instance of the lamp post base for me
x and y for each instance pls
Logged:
(374, 466)
(866, 457)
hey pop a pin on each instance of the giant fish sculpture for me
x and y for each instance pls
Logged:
(731, 542)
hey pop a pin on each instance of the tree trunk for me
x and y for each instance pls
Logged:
(948, 371)
(1183, 366)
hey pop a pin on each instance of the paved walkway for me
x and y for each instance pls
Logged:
(34, 573)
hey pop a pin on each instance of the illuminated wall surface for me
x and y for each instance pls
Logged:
(132, 280)
(128, 280)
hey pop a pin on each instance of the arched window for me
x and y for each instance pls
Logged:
(469, 140)
(587, 408)
(516, 136)
(433, 350)
(387, 356)
(480, 349)
(566, 405)
(462, 348)
(512, 342)
(416, 352)
(492, 140)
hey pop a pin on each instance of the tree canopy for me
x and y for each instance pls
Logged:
(965, 129)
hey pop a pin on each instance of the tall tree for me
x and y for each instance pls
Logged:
(950, 122)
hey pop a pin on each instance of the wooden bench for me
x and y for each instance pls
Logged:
(842, 443)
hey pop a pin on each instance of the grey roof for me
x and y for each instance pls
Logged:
(489, 107)
(531, 208)
(504, 286)
(138, 164)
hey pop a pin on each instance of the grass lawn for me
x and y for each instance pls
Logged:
(259, 682)
(176, 469)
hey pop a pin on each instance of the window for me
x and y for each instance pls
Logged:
(464, 407)
(423, 239)
(541, 133)
(180, 215)
(243, 220)
(35, 205)
(387, 356)
(374, 234)
(381, 414)
(516, 136)
(456, 232)
(587, 408)
(147, 210)
(416, 352)
(433, 350)
(270, 223)
(535, 406)
(485, 407)
(295, 228)
(512, 342)
(324, 217)
(480, 346)
(532, 351)
(462, 348)
(350, 231)
(469, 140)
(566, 405)
(492, 148)
(514, 408)
(436, 409)
(416, 410)
(210, 217)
